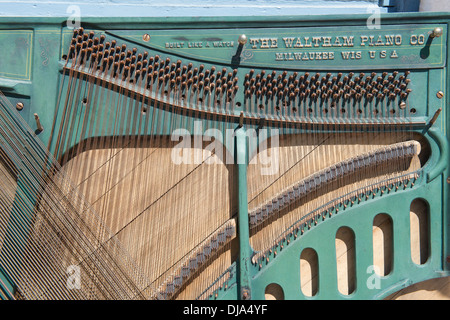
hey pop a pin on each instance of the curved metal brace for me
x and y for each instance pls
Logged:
(442, 163)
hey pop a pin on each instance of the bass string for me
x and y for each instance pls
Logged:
(54, 202)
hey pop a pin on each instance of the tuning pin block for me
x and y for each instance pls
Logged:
(296, 90)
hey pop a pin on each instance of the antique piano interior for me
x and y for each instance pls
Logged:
(260, 157)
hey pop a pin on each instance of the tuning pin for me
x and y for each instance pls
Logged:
(88, 53)
(144, 63)
(125, 72)
(137, 75)
(150, 79)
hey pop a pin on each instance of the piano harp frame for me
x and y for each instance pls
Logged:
(37, 83)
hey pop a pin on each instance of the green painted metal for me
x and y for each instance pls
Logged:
(50, 43)
(243, 229)
(321, 238)
(31, 73)
(446, 175)
(359, 218)
(284, 48)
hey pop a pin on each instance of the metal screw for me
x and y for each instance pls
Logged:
(437, 32)
(19, 105)
(242, 39)
(402, 105)
(245, 294)
(146, 37)
(440, 94)
(448, 179)
(38, 122)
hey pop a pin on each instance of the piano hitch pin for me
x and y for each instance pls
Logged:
(242, 39)
(241, 119)
(38, 123)
(437, 32)
(436, 115)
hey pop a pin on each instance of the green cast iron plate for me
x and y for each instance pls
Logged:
(334, 48)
